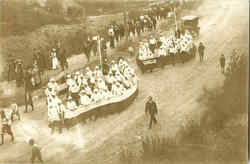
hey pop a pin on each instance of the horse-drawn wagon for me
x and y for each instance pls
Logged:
(161, 61)
(165, 50)
(114, 96)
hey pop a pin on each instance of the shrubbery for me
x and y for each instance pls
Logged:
(220, 136)
(231, 100)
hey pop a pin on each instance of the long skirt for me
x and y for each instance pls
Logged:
(54, 63)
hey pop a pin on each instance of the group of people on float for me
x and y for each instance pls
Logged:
(165, 45)
(91, 87)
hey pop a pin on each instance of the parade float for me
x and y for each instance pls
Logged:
(158, 51)
(99, 93)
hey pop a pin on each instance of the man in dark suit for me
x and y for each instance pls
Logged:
(151, 109)
(28, 88)
(201, 50)
(222, 63)
(35, 152)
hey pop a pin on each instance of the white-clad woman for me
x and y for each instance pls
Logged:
(119, 89)
(84, 98)
(96, 96)
(71, 104)
(54, 59)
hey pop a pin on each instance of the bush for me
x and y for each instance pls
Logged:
(230, 101)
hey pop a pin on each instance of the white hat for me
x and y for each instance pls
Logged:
(52, 79)
(68, 76)
(53, 49)
(77, 73)
(69, 98)
(87, 68)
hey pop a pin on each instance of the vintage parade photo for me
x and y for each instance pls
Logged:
(124, 81)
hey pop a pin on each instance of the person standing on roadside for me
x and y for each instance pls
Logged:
(35, 151)
(28, 88)
(151, 109)
(201, 50)
(222, 63)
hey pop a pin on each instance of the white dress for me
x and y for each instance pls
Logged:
(54, 60)
(84, 99)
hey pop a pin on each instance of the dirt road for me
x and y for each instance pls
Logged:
(224, 26)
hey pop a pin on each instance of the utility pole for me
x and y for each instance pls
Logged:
(125, 16)
(176, 26)
(125, 11)
(99, 49)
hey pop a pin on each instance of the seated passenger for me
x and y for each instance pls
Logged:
(120, 90)
(84, 98)
(88, 91)
(101, 84)
(96, 96)
(71, 104)
(98, 72)
(106, 94)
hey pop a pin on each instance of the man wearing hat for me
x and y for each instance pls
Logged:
(35, 151)
(28, 88)
(222, 63)
(151, 109)
(201, 49)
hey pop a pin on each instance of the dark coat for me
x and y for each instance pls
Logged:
(27, 82)
(201, 49)
(151, 108)
(222, 61)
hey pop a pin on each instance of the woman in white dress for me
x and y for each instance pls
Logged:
(84, 98)
(54, 59)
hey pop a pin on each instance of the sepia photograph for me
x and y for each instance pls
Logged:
(124, 81)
